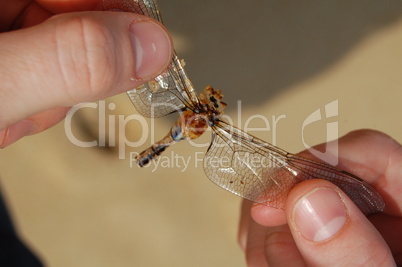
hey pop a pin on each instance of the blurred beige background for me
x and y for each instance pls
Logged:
(85, 207)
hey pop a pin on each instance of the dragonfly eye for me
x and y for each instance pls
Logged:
(212, 99)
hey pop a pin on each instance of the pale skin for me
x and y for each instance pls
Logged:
(55, 62)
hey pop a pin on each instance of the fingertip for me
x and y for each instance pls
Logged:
(152, 48)
(325, 222)
(319, 214)
(32, 125)
(267, 216)
(16, 131)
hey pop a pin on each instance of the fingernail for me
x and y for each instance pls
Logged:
(152, 48)
(16, 132)
(320, 214)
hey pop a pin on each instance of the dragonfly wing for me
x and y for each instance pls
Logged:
(170, 91)
(161, 96)
(145, 7)
(363, 195)
(263, 173)
(237, 163)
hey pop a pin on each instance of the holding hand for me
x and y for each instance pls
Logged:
(324, 227)
(49, 63)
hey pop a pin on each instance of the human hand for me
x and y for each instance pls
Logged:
(49, 63)
(324, 227)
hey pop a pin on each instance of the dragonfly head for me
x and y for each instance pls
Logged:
(211, 99)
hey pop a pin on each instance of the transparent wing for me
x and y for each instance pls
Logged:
(164, 95)
(170, 91)
(263, 173)
(363, 194)
(145, 7)
(240, 164)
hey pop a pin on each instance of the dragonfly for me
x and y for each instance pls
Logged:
(235, 160)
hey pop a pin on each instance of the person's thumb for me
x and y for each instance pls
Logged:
(77, 57)
(330, 230)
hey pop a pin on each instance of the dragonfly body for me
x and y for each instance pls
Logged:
(191, 124)
(235, 160)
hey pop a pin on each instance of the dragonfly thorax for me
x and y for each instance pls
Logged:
(212, 104)
(191, 124)
(194, 122)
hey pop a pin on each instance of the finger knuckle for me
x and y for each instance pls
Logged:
(86, 56)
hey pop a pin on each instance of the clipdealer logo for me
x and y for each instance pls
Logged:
(167, 160)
